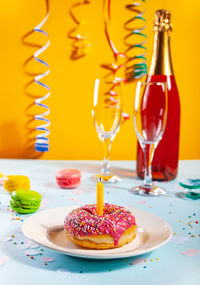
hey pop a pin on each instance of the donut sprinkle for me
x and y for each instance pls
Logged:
(84, 221)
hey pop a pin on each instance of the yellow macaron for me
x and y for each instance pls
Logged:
(15, 182)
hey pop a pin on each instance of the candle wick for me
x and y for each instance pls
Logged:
(100, 179)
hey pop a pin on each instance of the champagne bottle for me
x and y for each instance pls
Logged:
(165, 160)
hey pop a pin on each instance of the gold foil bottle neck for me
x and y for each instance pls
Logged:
(161, 62)
(162, 21)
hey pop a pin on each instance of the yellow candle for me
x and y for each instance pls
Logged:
(99, 198)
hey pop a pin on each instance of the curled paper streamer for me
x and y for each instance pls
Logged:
(42, 141)
(81, 44)
(136, 51)
(115, 68)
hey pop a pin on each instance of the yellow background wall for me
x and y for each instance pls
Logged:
(72, 132)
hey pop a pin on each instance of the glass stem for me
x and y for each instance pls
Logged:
(106, 165)
(148, 150)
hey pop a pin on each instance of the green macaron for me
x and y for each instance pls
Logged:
(25, 202)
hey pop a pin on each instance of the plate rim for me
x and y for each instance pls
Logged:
(114, 255)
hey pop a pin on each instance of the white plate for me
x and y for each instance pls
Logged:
(46, 228)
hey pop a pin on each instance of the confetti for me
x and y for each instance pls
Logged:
(63, 271)
(142, 202)
(32, 252)
(48, 259)
(3, 259)
(78, 192)
(191, 252)
(75, 200)
(31, 244)
(178, 239)
(137, 261)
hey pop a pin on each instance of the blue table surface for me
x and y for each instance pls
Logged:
(23, 262)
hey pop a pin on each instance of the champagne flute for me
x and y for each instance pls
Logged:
(150, 117)
(107, 114)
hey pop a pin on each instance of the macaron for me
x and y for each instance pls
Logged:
(15, 182)
(25, 202)
(68, 178)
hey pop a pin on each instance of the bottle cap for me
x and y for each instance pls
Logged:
(162, 21)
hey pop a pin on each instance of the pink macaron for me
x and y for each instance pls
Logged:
(68, 178)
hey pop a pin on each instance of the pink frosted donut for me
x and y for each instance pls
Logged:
(114, 228)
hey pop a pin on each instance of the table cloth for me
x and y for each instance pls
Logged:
(23, 262)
